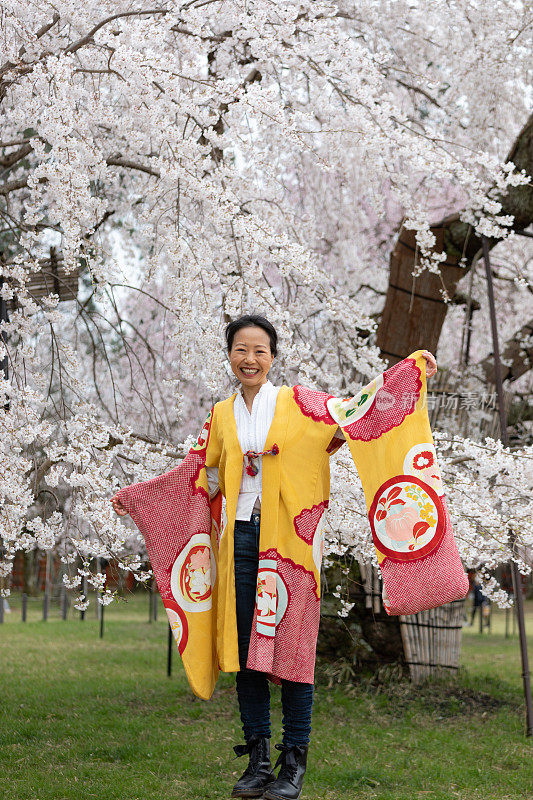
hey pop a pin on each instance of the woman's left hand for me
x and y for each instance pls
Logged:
(431, 364)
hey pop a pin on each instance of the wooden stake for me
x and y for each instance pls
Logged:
(63, 602)
(46, 599)
(170, 639)
(503, 435)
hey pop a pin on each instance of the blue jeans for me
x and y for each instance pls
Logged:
(252, 686)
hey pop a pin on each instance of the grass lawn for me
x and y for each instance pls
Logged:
(87, 718)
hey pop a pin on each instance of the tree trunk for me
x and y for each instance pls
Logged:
(414, 309)
(366, 640)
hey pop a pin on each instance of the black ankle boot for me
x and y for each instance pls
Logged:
(258, 774)
(288, 784)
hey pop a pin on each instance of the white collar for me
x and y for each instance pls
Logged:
(265, 387)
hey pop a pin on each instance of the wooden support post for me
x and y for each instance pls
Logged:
(64, 602)
(84, 593)
(24, 606)
(517, 580)
(4, 317)
(170, 640)
(46, 599)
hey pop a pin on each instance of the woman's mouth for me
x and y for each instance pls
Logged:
(249, 371)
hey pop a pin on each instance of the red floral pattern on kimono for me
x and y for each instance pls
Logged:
(313, 404)
(306, 523)
(381, 405)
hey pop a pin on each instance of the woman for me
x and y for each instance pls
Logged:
(267, 449)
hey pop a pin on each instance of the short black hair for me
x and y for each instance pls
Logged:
(245, 322)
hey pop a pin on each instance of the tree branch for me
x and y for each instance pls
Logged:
(88, 36)
(7, 161)
(514, 351)
(41, 32)
(11, 186)
(124, 162)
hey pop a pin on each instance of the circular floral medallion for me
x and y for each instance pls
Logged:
(347, 410)
(178, 623)
(271, 597)
(406, 518)
(421, 460)
(193, 574)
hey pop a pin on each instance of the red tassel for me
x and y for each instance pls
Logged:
(250, 467)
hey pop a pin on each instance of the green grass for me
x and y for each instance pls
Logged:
(87, 718)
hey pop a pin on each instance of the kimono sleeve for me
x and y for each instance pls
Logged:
(181, 527)
(387, 429)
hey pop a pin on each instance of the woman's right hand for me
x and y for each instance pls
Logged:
(117, 505)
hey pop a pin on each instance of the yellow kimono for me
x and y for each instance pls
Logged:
(387, 429)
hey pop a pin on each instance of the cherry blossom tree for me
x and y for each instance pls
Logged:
(196, 160)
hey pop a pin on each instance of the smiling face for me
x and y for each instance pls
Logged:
(250, 356)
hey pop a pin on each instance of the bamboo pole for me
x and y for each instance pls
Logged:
(431, 629)
(438, 635)
(449, 637)
(426, 636)
(406, 641)
(503, 435)
(419, 633)
(446, 635)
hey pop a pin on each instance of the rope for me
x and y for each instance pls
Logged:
(251, 468)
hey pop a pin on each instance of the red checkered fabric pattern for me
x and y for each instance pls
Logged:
(169, 510)
(395, 400)
(313, 404)
(307, 520)
(291, 653)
